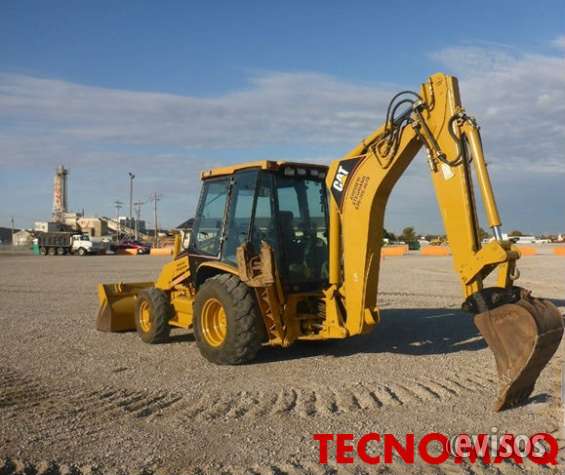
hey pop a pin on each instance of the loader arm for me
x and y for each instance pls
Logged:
(360, 184)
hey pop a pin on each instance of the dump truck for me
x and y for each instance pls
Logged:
(284, 251)
(61, 243)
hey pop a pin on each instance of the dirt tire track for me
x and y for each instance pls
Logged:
(90, 408)
(314, 401)
(63, 413)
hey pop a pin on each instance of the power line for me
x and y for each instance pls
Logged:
(138, 205)
(131, 177)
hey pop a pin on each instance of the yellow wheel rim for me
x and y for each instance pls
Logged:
(145, 316)
(214, 323)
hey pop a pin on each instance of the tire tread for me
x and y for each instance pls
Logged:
(161, 311)
(246, 331)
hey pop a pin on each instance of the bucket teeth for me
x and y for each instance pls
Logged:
(523, 337)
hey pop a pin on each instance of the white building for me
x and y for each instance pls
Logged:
(22, 238)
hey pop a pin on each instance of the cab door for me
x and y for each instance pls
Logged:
(240, 212)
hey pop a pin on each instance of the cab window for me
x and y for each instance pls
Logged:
(208, 226)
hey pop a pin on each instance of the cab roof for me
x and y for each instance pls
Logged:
(261, 165)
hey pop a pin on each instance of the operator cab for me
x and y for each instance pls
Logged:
(284, 204)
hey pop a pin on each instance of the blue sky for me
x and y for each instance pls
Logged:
(167, 88)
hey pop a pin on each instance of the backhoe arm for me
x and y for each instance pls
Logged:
(360, 184)
(362, 181)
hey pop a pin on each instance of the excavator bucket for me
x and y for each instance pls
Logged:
(117, 306)
(523, 336)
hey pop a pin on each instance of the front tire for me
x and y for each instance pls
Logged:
(152, 314)
(228, 327)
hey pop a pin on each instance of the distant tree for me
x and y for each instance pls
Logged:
(483, 234)
(408, 234)
(389, 236)
(515, 233)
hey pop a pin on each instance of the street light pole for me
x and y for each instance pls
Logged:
(131, 177)
(118, 204)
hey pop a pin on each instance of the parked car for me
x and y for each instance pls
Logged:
(141, 247)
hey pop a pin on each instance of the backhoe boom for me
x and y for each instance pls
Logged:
(360, 184)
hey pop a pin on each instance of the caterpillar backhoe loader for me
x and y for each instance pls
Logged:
(284, 251)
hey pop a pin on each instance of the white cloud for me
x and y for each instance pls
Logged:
(518, 98)
(559, 42)
(520, 104)
(276, 108)
(473, 60)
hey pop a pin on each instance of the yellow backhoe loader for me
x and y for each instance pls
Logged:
(285, 251)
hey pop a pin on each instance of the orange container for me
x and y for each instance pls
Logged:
(394, 250)
(527, 251)
(162, 251)
(559, 251)
(435, 251)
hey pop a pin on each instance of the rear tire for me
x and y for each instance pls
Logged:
(43, 251)
(61, 251)
(153, 311)
(51, 251)
(242, 330)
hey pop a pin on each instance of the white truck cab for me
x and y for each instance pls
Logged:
(81, 244)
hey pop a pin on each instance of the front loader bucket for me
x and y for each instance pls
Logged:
(117, 306)
(523, 337)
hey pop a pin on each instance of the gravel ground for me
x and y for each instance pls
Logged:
(73, 400)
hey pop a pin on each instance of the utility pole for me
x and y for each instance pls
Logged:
(118, 204)
(138, 205)
(131, 177)
(12, 223)
(155, 197)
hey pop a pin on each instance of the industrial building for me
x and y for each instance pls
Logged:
(95, 227)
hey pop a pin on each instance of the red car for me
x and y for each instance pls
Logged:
(129, 244)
